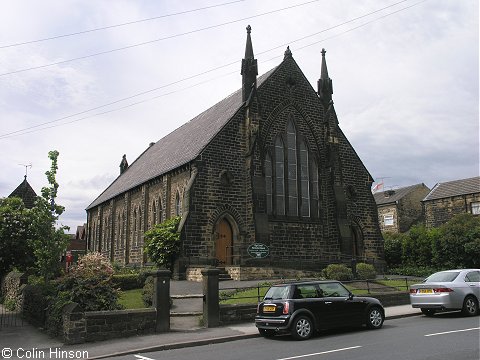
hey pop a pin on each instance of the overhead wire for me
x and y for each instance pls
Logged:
(118, 25)
(157, 40)
(41, 126)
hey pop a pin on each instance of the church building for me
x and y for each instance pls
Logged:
(264, 179)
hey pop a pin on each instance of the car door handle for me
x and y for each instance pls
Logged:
(327, 302)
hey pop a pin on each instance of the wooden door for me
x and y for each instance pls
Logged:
(223, 248)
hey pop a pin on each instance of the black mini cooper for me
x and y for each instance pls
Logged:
(301, 308)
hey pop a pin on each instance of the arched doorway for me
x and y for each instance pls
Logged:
(223, 242)
(357, 241)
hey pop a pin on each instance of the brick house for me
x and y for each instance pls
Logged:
(401, 208)
(450, 198)
(268, 164)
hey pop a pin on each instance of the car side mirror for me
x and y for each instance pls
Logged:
(350, 297)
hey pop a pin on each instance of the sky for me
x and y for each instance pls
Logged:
(99, 79)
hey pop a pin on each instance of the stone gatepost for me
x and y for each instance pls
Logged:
(211, 307)
(161, 299)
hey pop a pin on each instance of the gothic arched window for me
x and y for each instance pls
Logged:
(269, 183)
(292, 169)
(291, 176)
(304, 180)
(279, 176)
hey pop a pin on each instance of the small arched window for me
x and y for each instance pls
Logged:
(119, 232)
(178, 204)
(154, 214)
(160, 211)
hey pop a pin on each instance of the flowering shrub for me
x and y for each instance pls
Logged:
(90, 284)
(93, 265)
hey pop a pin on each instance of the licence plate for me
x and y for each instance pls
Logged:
(269, 308)
(425, 291)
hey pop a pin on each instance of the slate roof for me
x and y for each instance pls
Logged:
(177, 148)
(382, 198)
(454, 188)
(25, 192)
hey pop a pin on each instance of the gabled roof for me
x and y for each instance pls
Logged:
(177, 148)
(25, 192)
(454, 188)
(392, 196)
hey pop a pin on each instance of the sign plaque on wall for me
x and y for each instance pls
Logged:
(258, 250)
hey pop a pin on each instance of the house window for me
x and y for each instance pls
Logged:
(476, 208)
(269, 183)
(388, 220)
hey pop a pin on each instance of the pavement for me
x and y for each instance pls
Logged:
(185, 332)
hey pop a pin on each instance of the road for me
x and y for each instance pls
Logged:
(443, 337)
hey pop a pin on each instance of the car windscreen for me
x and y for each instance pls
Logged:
(277, 293)
(447, 276)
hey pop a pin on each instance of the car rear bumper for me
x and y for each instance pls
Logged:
(268, 323)
(441, 302)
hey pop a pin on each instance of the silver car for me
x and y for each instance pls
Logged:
(448, 290)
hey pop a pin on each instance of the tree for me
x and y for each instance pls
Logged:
(15, 235)
(49, 243)
(162, 243)
(459, 242)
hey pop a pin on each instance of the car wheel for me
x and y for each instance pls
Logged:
(470, 306)
(375, 318)
(266, 332)
(302, 328)
(428, 312)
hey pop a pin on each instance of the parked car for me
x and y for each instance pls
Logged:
(448, 290)
(301, 308)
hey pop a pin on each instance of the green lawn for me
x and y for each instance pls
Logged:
(132, 299)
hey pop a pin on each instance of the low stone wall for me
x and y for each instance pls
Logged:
(254, 273)
(237, 313)
(393, 299)
(80, 327)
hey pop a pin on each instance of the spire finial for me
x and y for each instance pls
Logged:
(288, 53)
(325, 86)
(249, 67)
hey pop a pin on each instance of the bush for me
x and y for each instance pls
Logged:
(147, 292)
(419, 271)
(337, 272)
(393, 248)
(35, 301)
(162, 243)
(128, 281)
(366, 271)
(90, 284)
